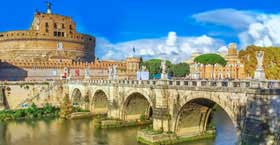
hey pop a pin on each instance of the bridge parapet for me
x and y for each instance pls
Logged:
(190, 83)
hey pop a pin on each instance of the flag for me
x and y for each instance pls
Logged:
(133, 50)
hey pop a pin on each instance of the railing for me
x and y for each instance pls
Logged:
(189, 83)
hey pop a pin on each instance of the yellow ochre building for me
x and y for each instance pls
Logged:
(233, 70)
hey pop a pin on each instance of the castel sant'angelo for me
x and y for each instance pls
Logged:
(51, 49)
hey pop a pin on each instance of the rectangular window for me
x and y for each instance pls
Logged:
(62, 34)
(62, 26)
(70, 27)
(54, 33)
(59, 34)
(47, 30)
(47, 24)
(55, 25)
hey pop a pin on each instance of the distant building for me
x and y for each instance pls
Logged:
(233, 70)
(51, 46)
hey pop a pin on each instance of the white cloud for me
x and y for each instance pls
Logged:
(265, 32)
(223, 49)
(172, 47)
(227, 17)
(253, 27)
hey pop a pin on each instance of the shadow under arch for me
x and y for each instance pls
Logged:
(136, 105)
(196, 115)
(76, 97)
(99, 102)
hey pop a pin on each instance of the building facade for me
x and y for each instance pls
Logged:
(233, 70)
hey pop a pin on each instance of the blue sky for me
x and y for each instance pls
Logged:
(171, 29)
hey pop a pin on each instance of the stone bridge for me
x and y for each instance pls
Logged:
(181, 106)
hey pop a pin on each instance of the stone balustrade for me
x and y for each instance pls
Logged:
(191, 83)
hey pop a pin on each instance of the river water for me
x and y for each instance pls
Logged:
(83, 132)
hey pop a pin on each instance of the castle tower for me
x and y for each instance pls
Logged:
(51, 36)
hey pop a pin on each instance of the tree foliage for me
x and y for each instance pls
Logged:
(176, 70)
(32, 112)
(154, 66)
(271, 62)
(210, 58)
(180, 69)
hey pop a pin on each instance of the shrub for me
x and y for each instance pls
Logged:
(142, 117)
(33, 112)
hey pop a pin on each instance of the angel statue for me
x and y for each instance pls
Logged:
(163, 66)
(115, 72)
(259, 57)
(110, 72)
(164, 75)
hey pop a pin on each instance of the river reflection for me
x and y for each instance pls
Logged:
(226, 132)
(83, 132)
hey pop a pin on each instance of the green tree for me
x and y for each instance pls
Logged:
(154, 65)
(210, 59)
(180, 69)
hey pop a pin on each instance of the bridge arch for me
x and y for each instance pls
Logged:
(135, 105)
(195, 114)
(99, 102)
(76, 97)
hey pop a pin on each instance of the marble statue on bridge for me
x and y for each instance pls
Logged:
(110, 70)
(164, 74)
(87, 73)
(196, 74)
(113, 72)
(259, 72)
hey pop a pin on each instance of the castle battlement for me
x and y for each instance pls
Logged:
(34, 35)
(56, 64)
(50, 35)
